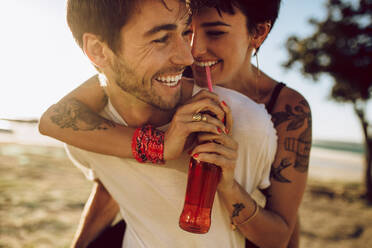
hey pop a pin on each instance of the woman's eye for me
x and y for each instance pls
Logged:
(215, 33)
(161, 40)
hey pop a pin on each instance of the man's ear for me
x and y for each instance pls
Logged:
(260, 34)
(95, 49)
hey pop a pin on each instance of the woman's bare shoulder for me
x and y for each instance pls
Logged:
(290, 97)
(291, 115)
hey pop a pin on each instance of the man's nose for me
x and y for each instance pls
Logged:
(198, 46)
(182, 53)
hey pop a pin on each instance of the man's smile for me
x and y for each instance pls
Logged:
(169, 80)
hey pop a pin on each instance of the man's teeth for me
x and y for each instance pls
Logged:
(170, 80)
(207, 63)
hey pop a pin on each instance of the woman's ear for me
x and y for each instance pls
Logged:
(94, 49)
(260, 34)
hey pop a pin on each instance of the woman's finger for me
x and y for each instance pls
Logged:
(203, 105)
(207, 118)
(228, 117)
(215, 148)
(201, 126)
(224, 140)
(208, 105)
(216, 159)
(184, 125)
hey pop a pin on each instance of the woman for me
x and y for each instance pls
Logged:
(226, 34)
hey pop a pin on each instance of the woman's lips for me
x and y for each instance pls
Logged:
(199, 67)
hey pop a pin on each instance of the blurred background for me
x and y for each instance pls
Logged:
(42, 194)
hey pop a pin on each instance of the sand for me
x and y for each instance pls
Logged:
(42, 195)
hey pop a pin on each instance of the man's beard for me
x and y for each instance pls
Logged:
(130, 82)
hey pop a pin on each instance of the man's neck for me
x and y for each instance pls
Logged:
(137, 113)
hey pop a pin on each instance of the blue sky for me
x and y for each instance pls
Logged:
(40, 63)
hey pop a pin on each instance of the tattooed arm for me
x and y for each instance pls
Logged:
(274, 225)
(74, 120)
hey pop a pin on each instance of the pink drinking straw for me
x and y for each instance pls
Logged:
(209, 78)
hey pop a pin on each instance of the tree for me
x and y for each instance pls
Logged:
(341, 47)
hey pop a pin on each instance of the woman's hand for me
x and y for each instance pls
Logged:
(182, 124)
(221, 150)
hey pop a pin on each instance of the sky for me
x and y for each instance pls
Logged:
(40, 63)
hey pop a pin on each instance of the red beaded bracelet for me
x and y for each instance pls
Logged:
(148, 145)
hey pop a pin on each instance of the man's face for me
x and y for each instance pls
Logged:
(155, 49)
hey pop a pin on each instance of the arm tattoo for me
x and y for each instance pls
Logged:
(74, 114)
(275, 172)
(237, 208)
(301, 145)
(297, 120)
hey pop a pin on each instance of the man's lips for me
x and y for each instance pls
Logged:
(169, 80)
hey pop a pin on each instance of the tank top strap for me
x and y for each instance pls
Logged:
(274, 96)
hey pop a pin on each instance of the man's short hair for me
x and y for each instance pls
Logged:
(104, 18)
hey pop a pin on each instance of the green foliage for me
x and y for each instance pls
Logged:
(340, 47)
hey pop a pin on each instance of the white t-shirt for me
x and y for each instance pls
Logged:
(151, 197)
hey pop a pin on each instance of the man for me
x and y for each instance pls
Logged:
(142, 48)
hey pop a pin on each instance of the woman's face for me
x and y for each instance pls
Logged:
(221, 42)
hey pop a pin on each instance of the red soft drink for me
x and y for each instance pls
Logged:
(202, 184)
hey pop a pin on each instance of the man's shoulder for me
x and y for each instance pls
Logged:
(247, 114)
(242, 105)
(234, 96)
(249, 118)
(110, 113)
(82, 160)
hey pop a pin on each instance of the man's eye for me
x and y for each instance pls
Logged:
(187, 32)
(161, 40)
(215, 33)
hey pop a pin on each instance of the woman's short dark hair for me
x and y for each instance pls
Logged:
(256, 11)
